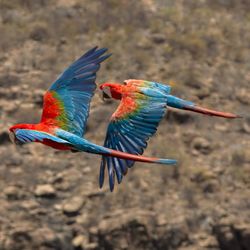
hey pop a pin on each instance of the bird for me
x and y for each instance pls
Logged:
(141, 108)
(66, 107)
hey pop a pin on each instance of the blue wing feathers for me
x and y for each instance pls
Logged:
(75, 88)
(110, 173)
(102, 172)
(89, 52)
(130, 134)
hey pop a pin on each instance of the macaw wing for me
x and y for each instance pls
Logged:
(28, 135)
(148, 84)
(66, 103)
(133, 123)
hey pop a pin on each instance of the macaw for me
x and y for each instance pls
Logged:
(65, 112)
(143, 105)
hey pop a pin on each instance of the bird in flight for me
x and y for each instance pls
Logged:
(65, 112)
(142, 106)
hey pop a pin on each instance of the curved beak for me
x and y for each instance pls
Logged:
(104, 97)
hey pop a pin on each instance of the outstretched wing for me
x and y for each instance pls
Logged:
(66, 103)
(133, 123)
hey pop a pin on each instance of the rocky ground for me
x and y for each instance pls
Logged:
(51, 200)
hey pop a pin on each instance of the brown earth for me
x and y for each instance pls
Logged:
(51, 200)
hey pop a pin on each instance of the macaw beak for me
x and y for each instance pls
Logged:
(12, 137)
(104, 96)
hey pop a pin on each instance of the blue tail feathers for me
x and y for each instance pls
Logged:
(167, 161)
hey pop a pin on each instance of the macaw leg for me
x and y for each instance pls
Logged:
(179, 103)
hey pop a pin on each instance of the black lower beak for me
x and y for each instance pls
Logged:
(105, 96)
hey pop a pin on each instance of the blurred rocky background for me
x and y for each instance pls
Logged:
(50, 200)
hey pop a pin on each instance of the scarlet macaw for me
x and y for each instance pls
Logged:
(137, 117)
(65, 113)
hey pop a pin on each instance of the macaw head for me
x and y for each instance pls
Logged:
(12, 133)
(110, 90)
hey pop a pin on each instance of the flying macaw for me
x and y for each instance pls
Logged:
(65, 113)
(143, 105)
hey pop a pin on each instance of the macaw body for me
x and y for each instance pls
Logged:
(65, 112)
(134, 88)
(143, 105)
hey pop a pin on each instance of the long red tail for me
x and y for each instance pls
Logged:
(211, 112)
(140, 158)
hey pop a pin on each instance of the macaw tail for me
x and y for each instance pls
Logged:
(179, 103)
(112, 158)
(140, 158)
(211, 112)
(116, 165)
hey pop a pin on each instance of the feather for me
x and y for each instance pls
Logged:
(133, 123)
(66, 103)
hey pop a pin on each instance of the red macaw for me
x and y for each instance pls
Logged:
(65, 113)
(143, 105)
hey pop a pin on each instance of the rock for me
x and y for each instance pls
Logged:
(30, 204)
(7, 80)
(210, 186)
(180, 117)
(188, 136)
(158, 38)
(45, 190)
(86, 170)
(92, 246)
(243, 96)
(72, 206)
(206, 241)
(19, 239)
(4, 137)
(203, 93)
(202, 176)
(221, 127)
(144, 43)
(46, 236)
(202, 145)
(38, 97)
(14, 193)
(243, 230)
(39, 33)
(241, 155)
(233, 236)
(246, 127)
(80, 241)
(98, 117)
